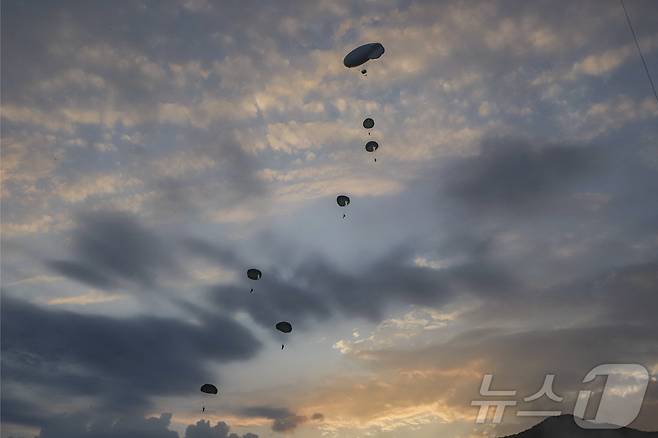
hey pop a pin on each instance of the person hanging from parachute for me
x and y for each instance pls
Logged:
(362, 55)
(210, 389)
(343, 201)
(372, 146)
(255, 275)
(283, 327)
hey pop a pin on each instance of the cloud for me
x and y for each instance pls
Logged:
(510, 174)
(121, 363)
(299, 192)
(416, 327)
(17, 410)
(288, 424)
(37, 279)
(609, 60)
(317, 289)
(222, 254)
(22, 166)
(94, 186)
(92, 297)
(566, 331)
(203, 429)
(523, 204)
(37, 225)
(101, 425)
(178, 164)
(245, 94)
(247, 108)
(76, 426)
(80, 272)
(283, 419)
(113, 247)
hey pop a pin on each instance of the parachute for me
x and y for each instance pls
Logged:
(363, 54)
(368, 123)
(283, 327)
(372, 146)
(209, 388)
(343, 201)
(254, 274)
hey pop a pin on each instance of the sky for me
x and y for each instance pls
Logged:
(153, 151)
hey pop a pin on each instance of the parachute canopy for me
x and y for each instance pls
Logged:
(363, 54)
(368, 123)
(372, 146)
(284, 326)
(209, 389)
(254, 274)
(343, 200)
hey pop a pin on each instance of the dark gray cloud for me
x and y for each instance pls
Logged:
(203, 429)
(549, 213)
(288, 424)
(121, 362)
(81, 272)
(283, 419)
(318, 289)
(20, 411)
(519, 178)
(231, 181)
(511, 174)
(86, 426)
(619, 295)
(111, 248)
(615, 302)
(530, 192)
(222, 254)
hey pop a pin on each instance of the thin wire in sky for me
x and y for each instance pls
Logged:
(637, 44)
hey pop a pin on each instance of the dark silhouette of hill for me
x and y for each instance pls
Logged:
(564, 426)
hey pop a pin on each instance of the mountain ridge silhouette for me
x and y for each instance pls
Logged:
(564, 426)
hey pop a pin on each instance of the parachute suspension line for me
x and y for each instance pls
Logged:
(255, 275)
(207, 389)
(639, 51)
(283, 327)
